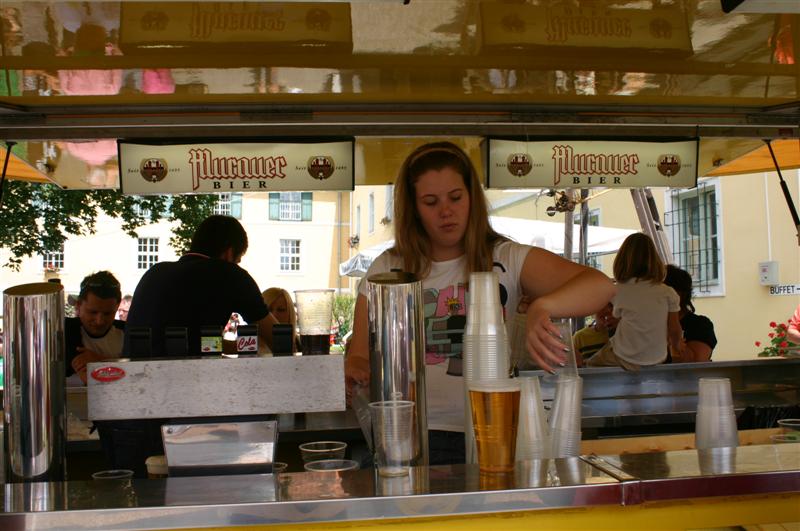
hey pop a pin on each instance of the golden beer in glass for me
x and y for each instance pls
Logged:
(495, 413)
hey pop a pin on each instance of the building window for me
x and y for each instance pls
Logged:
(358, 221)
(290, 255)
(147, 254)
(223, 205)
(691, 220)
(290, 206)
(229, 204)
(53, 261)
(371, 213)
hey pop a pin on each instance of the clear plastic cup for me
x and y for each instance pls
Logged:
(486, 357)
(319, 450)
(517, 338)
(565, 443)
(392, 433)
(785, 438)
(715, 425)
(485, 320)
(789, 426)
(565, 413)
(484, 288)
(495, 416)
(279, 466)
(714, 393)
(570, 367)
(113, 474)
(331, 465)
(533, 435)
(314, 318)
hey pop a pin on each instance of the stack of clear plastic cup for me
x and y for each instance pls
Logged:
(517, 338)
(716, 420)
(565, 417)
(486, 349)
(570, 368)
(533, 434)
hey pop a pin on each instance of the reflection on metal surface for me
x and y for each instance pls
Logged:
(34, 403)
(34, 497)
(437, 491)
(220, 448)
(714, 461)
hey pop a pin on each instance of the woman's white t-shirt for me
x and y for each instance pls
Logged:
(643, 308)
(444, 293)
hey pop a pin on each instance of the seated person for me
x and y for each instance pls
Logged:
(699, 339)
(93, 335)
(124, 307)
(281, 306)
(591, 338)
(793, 330)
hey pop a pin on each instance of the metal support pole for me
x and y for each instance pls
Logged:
(650, 221)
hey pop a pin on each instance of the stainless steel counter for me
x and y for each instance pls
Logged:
(176, 503)
(667, 394)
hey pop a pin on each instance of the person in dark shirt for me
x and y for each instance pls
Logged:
(699, 339)
(201, 289)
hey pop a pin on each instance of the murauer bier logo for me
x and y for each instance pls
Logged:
(320, 167)
(153, 170)
(519, 164)
(669, 165)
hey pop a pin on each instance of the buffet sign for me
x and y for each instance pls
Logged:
(591, 164)
(149, 168)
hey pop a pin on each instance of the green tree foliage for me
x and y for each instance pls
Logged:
(37, 218)
(343, 308)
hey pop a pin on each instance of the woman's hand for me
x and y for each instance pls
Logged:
(542, 339)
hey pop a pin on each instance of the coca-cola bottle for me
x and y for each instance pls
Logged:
(230, 335)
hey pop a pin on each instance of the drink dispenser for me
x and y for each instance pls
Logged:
(397, 348)
(34, 386)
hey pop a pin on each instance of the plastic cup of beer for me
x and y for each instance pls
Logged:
(392, 432)
(495, 414)
(314, 316)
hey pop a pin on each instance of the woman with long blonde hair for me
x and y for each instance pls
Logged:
(442, 234)
(281, 306)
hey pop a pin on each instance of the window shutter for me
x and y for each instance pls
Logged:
(236, 205)
(274, 206)
(306, 201)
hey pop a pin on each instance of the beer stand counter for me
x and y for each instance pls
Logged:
(673, 489)
(670, 490)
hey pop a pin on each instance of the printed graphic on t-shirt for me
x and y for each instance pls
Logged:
(445, 318)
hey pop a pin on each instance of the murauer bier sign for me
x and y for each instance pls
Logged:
(235, 167)
(590, 164)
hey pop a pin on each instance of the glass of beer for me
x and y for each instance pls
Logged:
(495, 414)
(314, 316)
